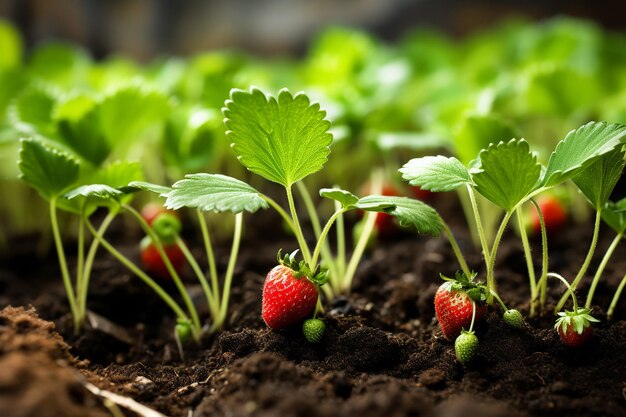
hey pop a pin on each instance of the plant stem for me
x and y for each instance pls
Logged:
(232, 260)
(208, 292)
(583, 269)
(366, 232)
(80, 265)
(497, 297)
(479, 224)
(141, 275)
(210, 256)
(280, 211)
(529, 260)
(603, 263)
(618, 293)
(468, 212)
(491, 281)
(67, 281)
(341, 243)
(570, 290)
(322, 238)
(91, 255)
(455, 248)
(156, 241)
(473, 316)
(543, 281)
(297, 229)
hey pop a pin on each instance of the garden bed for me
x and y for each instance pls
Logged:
(382, 354)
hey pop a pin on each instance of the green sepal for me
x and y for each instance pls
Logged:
(476, 291)
(580, 319)
(301, 269)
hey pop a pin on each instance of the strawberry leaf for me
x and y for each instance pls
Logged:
(436, 173)
(506, 173)
(47, 170)
(161, 190)
(598, 179)
(409, 212)
(345, 198)
(282, 139)
(98, 191)
(580, 148)
(614, 214)
(478, 131)
(215, 192)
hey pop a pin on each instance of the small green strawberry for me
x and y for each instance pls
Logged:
(183, 331)
(313, 330)
(465, 346)
(513, 318)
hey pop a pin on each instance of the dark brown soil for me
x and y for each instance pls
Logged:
(383, 353)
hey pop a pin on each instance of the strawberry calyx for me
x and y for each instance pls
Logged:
(476, 291)
(301, 269)
(579, 320)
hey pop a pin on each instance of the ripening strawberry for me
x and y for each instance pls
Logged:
(574, 327)
(151, 211)
(153, 263)
(554, 214)
(453, 304)
(290, 293)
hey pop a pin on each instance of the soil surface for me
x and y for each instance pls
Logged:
(382, 354)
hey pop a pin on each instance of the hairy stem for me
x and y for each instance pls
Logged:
(583, 269)
(479, 224)
(529, 260)
(341, 243)
(543, 280)
(210, 256)
(455, 248)
(366, 232)
(297, 229)
(615, 299)
(208, 292)
(471, 328)
(322, 237)
(603, 263)
(232, 261)
(80, 263)
(491, 281)
(468, 212)
(569, 292)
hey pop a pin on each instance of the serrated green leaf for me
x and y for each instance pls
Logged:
(580, 148)
(345, 198)
(161, 190)
(48, 171)
(190, 137)
(436, 173)
(31, 111)
(409, 212)
(598, 180)
(507, 173)
(614, 214)
(215, 192)
(282, 139)
(98, 191)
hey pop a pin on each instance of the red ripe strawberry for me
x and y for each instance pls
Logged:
(554, 214)
(421, 194)
(153, 263)
(453, 304)
(151, 211)
(290, 293)
(574, 327)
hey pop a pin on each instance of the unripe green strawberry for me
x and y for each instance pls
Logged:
(513, 318)
(183, 331)
(465, 346)
(313, 330)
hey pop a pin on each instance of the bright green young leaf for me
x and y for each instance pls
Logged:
(161, 190)
(614, 214)
(11, 50)
(436, 173)
(282, 139)
(119, 174)
(129, 110)
(32, 110)
(598, 179)
(48, 171)
(60, 64)
(477, 131)
(345, 198)
(507, 173)
(215, 192)
(580, 148)
(409, 212)
(97, 191)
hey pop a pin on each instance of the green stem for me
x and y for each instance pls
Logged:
(67, 281)
(341, 243)
(210, 256)
(200, 275)
(479, 224)
(529, 260)
(297, 229)
(156, 241)
(497, 297)
(141, 275)
(322, 237)
(232, 261)
(618, 293)
(80, 263)
(605, 261)
(280, 211)
(91, 256)
(366, 232)
(471, 328)
(469, 214)
(491, 282)
(543, 281)
(583, 269)
(456, 249)
(569, 292)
